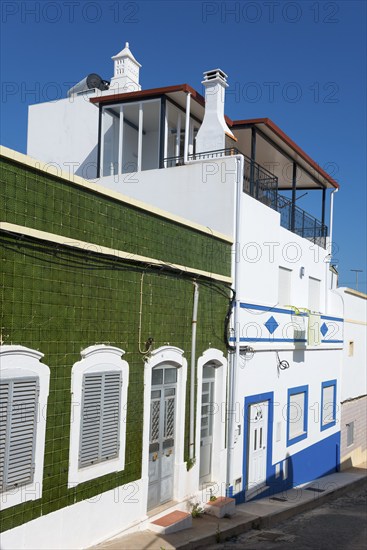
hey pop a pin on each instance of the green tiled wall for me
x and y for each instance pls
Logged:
(47, 203)
(60, 302)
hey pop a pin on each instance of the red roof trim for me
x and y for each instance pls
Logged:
(270, 124)
(149, 93)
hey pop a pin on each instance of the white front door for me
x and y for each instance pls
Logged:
(256, 446)
(162, 435)
(206, 430)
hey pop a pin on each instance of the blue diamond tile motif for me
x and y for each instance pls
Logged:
(271, 324)
(324, 328)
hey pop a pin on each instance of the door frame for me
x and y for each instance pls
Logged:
(252, 400)
(173, 356)
(215, 358)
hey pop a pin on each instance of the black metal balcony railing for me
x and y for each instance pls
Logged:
(263, 186)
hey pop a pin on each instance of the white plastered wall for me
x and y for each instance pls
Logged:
(65, 134)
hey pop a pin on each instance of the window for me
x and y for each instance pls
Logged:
(297, 414)
(314, 286)
(284, 287)
(328, 404)
(23, 396)
(99, 396)
(350, 434)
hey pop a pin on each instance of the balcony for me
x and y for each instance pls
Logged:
(262, 185)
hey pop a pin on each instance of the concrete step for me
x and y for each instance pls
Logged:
(221, 507)
(171, 523)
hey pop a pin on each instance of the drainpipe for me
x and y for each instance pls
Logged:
(235, 358)
(331, 248)
(187, 127)
(332, 216)
(193, 370)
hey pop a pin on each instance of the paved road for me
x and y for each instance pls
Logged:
(338, 525)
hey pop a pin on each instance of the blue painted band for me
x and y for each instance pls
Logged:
(232, 339)
(331, 318)
(270, 309)
(332, 341)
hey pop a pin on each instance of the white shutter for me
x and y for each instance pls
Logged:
(314, 287)
(4, 407)
(100, 421)
(328, 405)
(111, 415)
(296, 414)
(284, 286)
(18, 433)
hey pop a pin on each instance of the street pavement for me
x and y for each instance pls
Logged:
(337, 525)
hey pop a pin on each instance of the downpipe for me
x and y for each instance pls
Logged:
(193, 370)
(234, 358)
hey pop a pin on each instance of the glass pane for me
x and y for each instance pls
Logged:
(205, 398)
(157, 377)
(130, 139)
(110, 125)
(170, 376)
(296, 414)
(156, 394)
(150, 150)
(169, 391)
(208, 372)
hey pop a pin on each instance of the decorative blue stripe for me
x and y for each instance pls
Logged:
(270, 309)
(332, 341)
(232, 339)
(331, 318)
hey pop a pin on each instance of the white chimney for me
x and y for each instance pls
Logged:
(126, 72)
(212, 132)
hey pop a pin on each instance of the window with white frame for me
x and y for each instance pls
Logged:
(328, 404)
(99, 395)
(284, 286)
(24, 387)
(314, 288)
(297, 414)
(350, 434)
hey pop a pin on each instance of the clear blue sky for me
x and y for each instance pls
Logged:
(301, 63)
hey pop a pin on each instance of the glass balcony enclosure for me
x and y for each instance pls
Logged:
(137, 136)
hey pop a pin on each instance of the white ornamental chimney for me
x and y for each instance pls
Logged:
(212, 132)
(126, 72)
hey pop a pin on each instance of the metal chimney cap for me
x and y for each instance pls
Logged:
(215, 73)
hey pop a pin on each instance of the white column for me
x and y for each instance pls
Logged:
(178, 136)
(101, 160)
(187, 126)
(140, 136)
(121, 139)
(166, 133)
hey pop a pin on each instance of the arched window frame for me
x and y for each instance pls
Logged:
(17, 362)
(96, 359)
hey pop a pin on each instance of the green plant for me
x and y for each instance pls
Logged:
(218, 534)
(213, 498)
(190, 463)
(197, 511)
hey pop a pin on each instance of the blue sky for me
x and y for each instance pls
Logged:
(302, 64)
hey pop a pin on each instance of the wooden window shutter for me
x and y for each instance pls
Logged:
(100, 419)
(18, 419)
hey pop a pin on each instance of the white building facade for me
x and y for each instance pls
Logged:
(278, 401)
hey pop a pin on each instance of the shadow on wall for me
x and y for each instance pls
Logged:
(88, 168)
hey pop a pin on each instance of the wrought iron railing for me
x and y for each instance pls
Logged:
(298, 221)
(263, 186)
